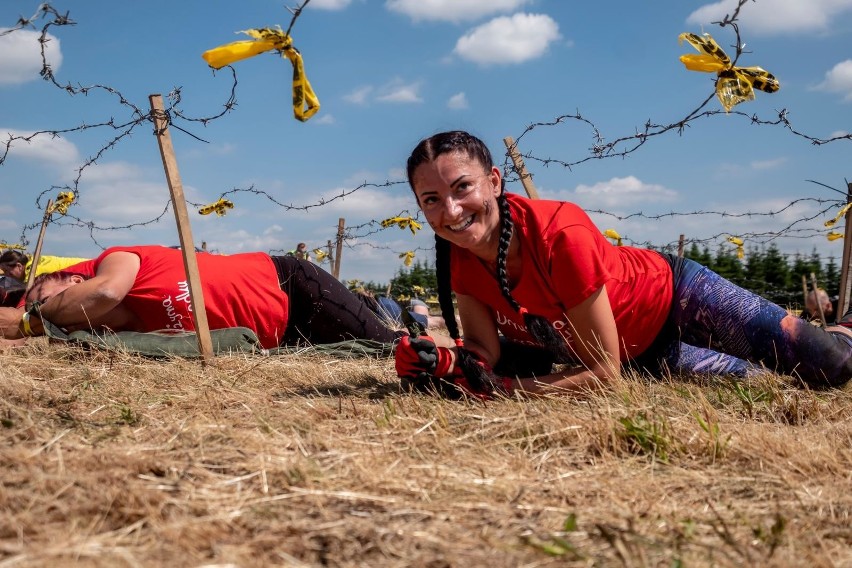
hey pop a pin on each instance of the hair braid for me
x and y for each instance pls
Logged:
(478, 377)
(538, 326)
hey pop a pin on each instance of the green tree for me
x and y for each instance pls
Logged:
(421, 275)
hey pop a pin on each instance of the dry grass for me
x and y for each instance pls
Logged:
(113, 460)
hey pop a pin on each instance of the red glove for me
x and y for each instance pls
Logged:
(418, 355)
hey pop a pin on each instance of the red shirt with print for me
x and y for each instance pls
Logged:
(240, 290)
(566, 259)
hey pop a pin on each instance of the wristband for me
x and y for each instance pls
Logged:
(26, 329)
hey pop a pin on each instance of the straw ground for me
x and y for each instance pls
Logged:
(114, 460)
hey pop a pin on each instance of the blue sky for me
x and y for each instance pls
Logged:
(390, 72)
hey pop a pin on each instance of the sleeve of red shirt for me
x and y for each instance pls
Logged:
(577, 263)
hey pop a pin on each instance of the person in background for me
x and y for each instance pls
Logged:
(540, 273)
(301, 252)
(284, 300)
(18, 265)
(816, 298)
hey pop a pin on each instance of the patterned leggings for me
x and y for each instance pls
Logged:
(322, 310)
(717, 327)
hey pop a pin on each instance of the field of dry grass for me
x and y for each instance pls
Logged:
(114, 460)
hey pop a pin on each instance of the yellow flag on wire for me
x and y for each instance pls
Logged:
(403, 223)
(320, 254)
(220, 207)
(738, 242)
(833, 235)
(407, 257)
(613, 234)
(734, 84)
(305, 101)
(841, 213)
(63, 200)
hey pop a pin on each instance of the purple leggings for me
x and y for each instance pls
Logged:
(717, 327)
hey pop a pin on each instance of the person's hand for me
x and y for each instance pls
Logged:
(10, 322)
(418, 356)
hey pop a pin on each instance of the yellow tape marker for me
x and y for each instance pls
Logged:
(734, 84)
(305, 102)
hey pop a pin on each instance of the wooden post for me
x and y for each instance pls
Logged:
(680, 243)
(845, 277)
(190, 262)
(330, 256)
(816, 298)
(48, 212)
(805, 291)
(520, 168)
(339, 249)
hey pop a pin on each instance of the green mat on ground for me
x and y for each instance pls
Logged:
(230, 340)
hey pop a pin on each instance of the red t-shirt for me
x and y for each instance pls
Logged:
(565, 260)
(240, 290)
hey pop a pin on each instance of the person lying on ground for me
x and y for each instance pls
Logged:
(539, 272)
(284, 300)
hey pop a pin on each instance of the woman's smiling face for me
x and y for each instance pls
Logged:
(458, 196)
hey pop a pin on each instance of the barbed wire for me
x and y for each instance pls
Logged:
(359, 235)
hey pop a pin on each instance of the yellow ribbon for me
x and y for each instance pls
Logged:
(404, 223)
(841, 213)
(305, 101)
(739, 244)
(613, 234)
(407, 257)
(418, 289)
(63, 200)
(734, 84)
(220, 207)
(320, 254)
(4, 245)
(833, 236)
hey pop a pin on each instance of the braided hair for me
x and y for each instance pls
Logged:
(538, 326)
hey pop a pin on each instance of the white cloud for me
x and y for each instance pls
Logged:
(359, 96)
(41, 147)
(769, 17)
(762, 165)
(399, 92)
(324, 119)
(839, 80)
(329, 4)
(452, 10)
(21, 61)
(618, 192)
(458, 102)
(363, 203)
(838, 134)
(508, 40)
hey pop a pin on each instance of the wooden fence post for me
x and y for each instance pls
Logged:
(680, 243)
(48, 212)
(845, 280)
(339, 251)
(520, 168)
(190, 262)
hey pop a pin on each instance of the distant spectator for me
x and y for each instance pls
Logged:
(301, 252)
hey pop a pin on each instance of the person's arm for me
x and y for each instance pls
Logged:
(480, 328)
(596, 344)
(94, 302)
